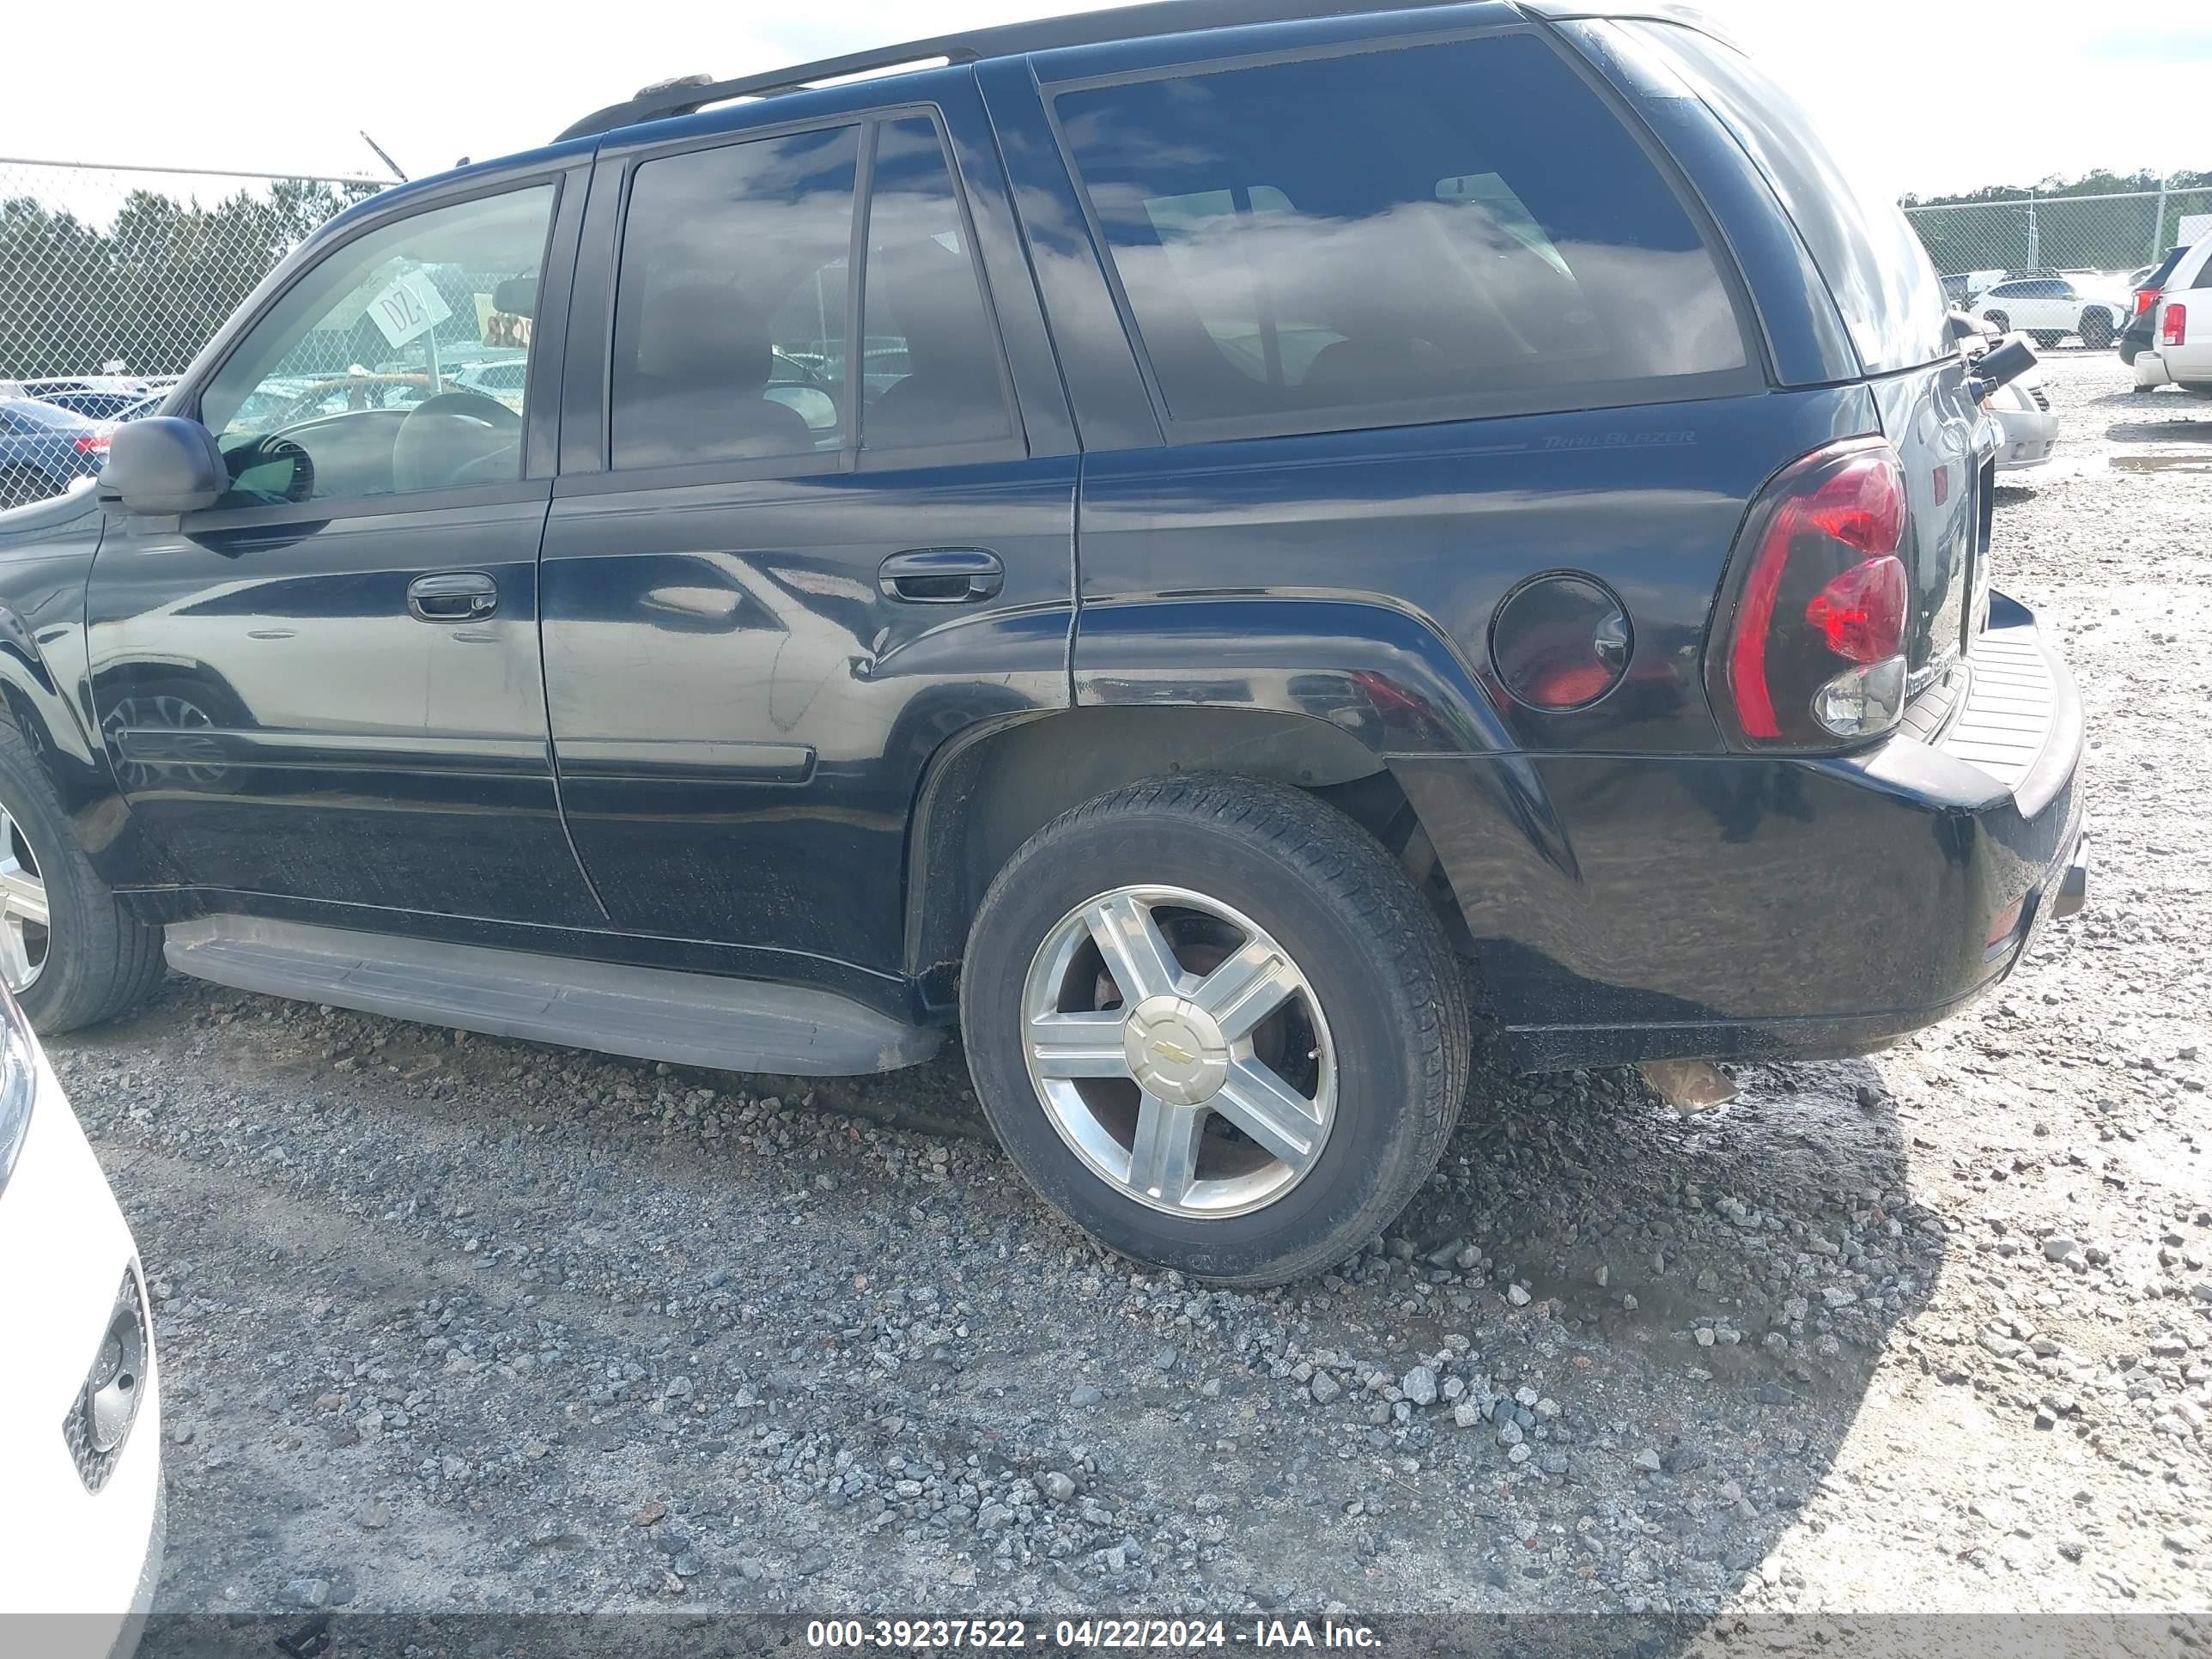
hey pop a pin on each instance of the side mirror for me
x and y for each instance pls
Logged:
(1991, 370)
(162, 465)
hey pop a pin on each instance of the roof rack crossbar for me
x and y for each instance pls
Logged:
(689, 96)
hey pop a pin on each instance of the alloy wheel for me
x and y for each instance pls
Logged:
(1179, 1051)
(24, 935)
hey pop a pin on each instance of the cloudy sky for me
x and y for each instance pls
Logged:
(287, 87)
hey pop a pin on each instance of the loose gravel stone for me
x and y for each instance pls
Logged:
(1780, 1348)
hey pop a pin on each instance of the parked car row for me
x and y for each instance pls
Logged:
(2168, 342)
(44, 448)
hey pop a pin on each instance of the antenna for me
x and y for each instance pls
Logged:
(382, 157)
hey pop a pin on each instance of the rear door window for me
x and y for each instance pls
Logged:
(1417, 233)
(931, 370)
(730, 302)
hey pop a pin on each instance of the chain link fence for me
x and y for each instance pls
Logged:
(2099, 240)
(111, 280)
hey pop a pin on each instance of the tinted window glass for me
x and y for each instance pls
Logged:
(733, 269)
(331, 394)
(1455, 221)
(932, 368)
(1883, 282)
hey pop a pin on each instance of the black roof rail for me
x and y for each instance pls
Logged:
(691, 93)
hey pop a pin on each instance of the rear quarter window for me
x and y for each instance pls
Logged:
(1883, 282)
(1409, 233)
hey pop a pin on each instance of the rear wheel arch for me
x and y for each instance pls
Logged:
(989, 791)
(1210, 1025)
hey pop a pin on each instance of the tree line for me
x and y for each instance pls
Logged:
(150, 289)
(2023, 227)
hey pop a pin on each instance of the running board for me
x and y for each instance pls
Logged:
(649, 1013)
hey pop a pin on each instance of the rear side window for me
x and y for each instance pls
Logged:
(1458, 227)
(931, 372)
(733, 308)
(733, 267)
(1885, 286)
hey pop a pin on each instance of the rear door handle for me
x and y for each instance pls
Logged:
(453, 596)
(942, 575)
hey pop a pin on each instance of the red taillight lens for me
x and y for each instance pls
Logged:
(2173, 324)
(1823, 589)
(1861, 612)
(2145, 299)
(95, 445)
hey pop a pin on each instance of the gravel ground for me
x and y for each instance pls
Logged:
(455, 1323)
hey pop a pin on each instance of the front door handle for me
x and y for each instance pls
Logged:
(453, 596)
(942, 575)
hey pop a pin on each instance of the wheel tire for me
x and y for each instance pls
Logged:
(2000, 320)
(22, 485)
(2045, 338)
(98, 960)
(2096, 329)
(1390, 995)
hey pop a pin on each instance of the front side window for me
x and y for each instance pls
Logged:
(730, 303)
(1456, 222)
(397, 365)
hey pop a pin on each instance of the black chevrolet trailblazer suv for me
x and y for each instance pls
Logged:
(1230, 550)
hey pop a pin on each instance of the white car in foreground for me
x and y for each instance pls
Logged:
(81, 1496)
(2180, 348)
(2022, 408)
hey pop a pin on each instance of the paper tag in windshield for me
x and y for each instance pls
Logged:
(410, 307)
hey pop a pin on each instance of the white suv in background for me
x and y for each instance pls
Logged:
(2180, 348)
(2048, 308)
(81, 1498)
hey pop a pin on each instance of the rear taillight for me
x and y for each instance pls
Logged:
(94, 444)
(1810, 652)
(2173, 324)
(2145, 299)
